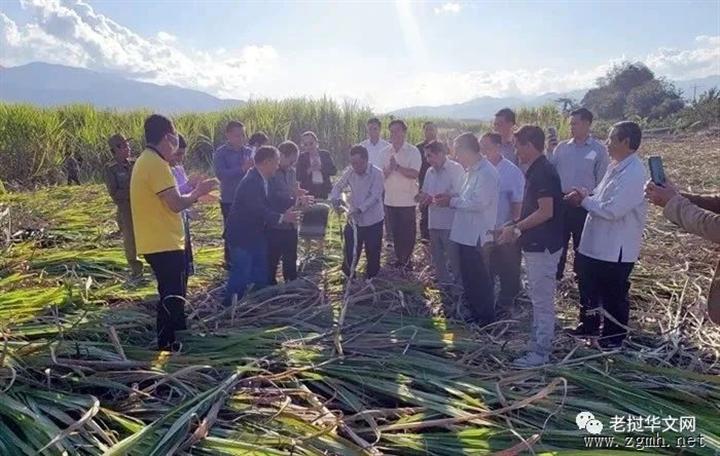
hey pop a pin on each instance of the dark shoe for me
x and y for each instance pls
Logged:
(584, 330)
(610, 343)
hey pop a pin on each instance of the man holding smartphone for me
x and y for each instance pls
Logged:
(612, 236)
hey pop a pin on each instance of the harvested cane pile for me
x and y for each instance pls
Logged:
(276, 374)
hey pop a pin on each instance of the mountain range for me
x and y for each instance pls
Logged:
(46, 84)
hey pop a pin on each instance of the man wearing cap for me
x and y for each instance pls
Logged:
(117, 179)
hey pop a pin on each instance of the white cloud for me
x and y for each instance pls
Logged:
(448, 8)
(72, 33)
(703, 60)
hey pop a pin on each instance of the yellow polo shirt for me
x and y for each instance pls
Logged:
(157, 228)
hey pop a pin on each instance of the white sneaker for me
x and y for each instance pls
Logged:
(530, 359)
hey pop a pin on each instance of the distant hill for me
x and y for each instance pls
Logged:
(45, 84)
(484, 108)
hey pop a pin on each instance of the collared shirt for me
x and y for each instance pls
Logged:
(542, 181)
(616, 213)
(157, 228)
(400, 191)
(512, 187)
(376, 152)
(447, 179)
(580, 165)
(507, 149)
(117, 180)
(365, 193)
(475, 206)
(228, 164)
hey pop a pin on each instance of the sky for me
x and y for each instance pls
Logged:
(384, 54)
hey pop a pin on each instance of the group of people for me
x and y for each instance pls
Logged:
(495, 199)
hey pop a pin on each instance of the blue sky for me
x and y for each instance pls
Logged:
(386, 54)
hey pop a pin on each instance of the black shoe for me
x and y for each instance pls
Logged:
(583, 330)
(610, 343)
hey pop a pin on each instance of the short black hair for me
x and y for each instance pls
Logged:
(495, 138)
(234, 124)
(436, 147)
(288, 148)
(583, 114)
(398, 122)
(311, 134)
(374, 120)
(258, 138)
(507, 114)
(531, 134)
(429, 123)
(182, 144)
(469, 141)
(265, 153)
(360, 150)
(631, 131)
(156, 127)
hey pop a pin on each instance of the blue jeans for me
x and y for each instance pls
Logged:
(249, 267)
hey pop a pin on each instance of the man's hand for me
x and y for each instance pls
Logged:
(300, 192)
(442, 200)
(204, 187)
(507, 235)
(423, 199)
(195, 178)
(573, 198)
(305, 200)
(658, 195)
(393, 163)
(290, 216)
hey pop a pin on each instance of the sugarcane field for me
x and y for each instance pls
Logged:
(367, 228)
(335, 365)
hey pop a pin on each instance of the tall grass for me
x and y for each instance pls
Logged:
(35, 141)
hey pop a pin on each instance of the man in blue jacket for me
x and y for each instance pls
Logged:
(247, 225)
(231, 162)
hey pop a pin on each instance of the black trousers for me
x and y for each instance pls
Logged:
(573, 223)
(606, 284)
(424, 220)
(402, 224)
(476, 284)
(225, 211)
(369, 238)
(170, 271)
(282, 245)
(504, 262)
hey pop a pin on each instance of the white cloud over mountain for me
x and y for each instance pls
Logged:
(71, 32)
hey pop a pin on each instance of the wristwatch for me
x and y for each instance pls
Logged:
(517, 231)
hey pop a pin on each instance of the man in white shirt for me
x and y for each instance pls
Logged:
(374, 144)
(475, 213)
(611, 238)
(504, 259)
(401, 169)
(581, 162)
(443, 177)
(365, 204)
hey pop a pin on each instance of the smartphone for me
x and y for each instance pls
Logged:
(657, 172)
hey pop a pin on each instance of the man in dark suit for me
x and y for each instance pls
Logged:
(247, 225)
(315, 167)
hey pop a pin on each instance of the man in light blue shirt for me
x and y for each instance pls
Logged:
(444, 176)
(504, 259)
(365, 204)
(475, 213)
(580, 162)
(504, 125)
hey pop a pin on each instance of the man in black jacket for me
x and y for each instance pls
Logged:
(247, 226)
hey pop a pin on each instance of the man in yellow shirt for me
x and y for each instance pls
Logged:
(157, 223)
